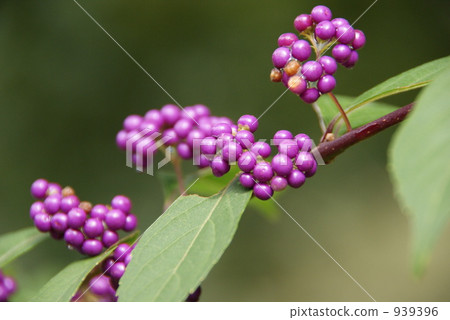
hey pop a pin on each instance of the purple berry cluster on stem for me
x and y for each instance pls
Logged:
(84, 227)
(310, 79)
(7, 287)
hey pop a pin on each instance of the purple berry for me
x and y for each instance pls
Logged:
(325, 30)
(201, 161)
(345, 34)
(278, 183)
(231, 151)
(155, 117)
(359, 41)
(337, 22)
(122, 203)
(224, 139)
(107, 264)
(309, 173)
(59, 222)
(303, 22)
(194, 296)
(76, 218)
(74, 237)
(69, 202)
(194, 137)
(208, 146)
(121, 251)
(132, 122)
(304, 161)
(312, 70)
(310, 95)
(351, 60)
(170, 113)
(101, 286)
(202, 111)
(341, 52)
(280, 57)
(245, 139)
(169, 137)
(219, 166)
(183, 127)
(328, 64)
(115, 219)
(247, 161)
(52, 203)
(10, 285)
(39, 188)
(280, 136)
(220, 128)
(92, 247)
(121, 139)
(262, 191)
(3, 293)
(326, 83)
(286, 39)
(281, 164)
(246, 180)
(250, 121)
(263, 171)
(99, 211)
(301, 50)
(93, 227)
(109, 237)
(53, 188)
(184, 151)
(130, 223)
(127, 259)
(261, 149)
(288, 147)
(36, 207)
(304, 142)
(321, 13)
(297, 84)
(42, 222)
(117, 270)
(296, 179)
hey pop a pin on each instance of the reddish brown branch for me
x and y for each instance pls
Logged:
(329, 150)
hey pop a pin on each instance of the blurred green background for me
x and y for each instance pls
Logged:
(65, 88)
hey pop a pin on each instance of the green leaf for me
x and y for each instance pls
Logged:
(177, 252)
(419, 166)
(63, 286)
(16, 243)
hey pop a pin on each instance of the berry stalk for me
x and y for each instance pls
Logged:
(341, 110)
(329, 150)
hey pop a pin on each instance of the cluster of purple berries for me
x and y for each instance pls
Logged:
(7, 287)
(84, 227)
(310, 79)
(290, 166)
(169, 126)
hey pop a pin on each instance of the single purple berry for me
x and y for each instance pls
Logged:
(345, 34)
(288, 147)
(261, 149)
(170, 113)
(309, 173)
(127, 259)
(201, 161)
(92, 247)
(122, 203)
(52, 203)
(117, 270)
(121, 139)
(53, 188)
(231, 151)
(247, 161)
(303, 22)
(304, 161)
(99, 211)
(59, 222)
(109, 237)
(154, 116)
(310, 95)
(359, 41)
(281, 164)
(278, 183)
(280, 57)
(286, 39)
(202, 111)
(39, 188)
(250, 121)
(301, 50)
(69, 202)
(10, 285)
(36, 207)
(115, 219)
(285, 79)
(189, 113)
(76, 218)
(341, 52)
(321, 13)
(245, 139)
(312, 70)
(219, 166)
(296, 179)
(325, 30)
(121, 251)
(280, 136)
(42, 222)
(337, 22)
(263, 171)
(223, 140)
(208, 146)
(130, 223)
(304, 142)
(195, 137)
(220, 128)
(262, 191)
(297, 84)
(326, 83)
(107, 264)
(246, 180)
(350, 63)
(132, 122)
(184, 151)
(183, 127)
(169, 137)
(74, 237)
(93, 227)
(101, 286)
(328, 64)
